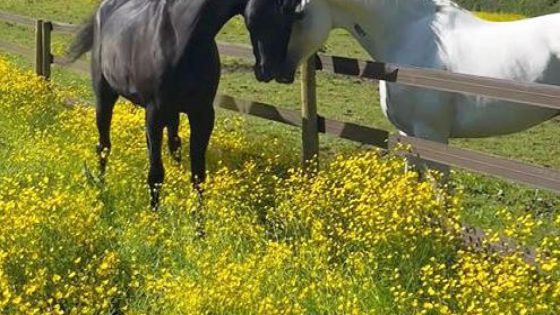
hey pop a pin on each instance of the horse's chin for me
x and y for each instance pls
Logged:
(265, 79)
(286, 76)
(263, 76)
(285, 80)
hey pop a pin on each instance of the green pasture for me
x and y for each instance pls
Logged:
(341, 98)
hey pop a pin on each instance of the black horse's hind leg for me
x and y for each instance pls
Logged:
(106, 98)
(174, 141)
(154, 136)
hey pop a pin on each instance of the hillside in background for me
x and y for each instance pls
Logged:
(525, 7)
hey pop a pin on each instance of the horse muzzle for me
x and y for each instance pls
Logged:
(263, 74)
(286, 75)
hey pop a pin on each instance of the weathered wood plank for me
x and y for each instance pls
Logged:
(519, 172)
(541, 95)
(309, 128)
(39, 48)
(349, 131)
(357, 133)
(46, 48)
(30, 22)
(17, 19)
(269, 112)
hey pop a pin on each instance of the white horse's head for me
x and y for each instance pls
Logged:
(308, 35)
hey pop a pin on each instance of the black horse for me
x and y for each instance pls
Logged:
(162, 55)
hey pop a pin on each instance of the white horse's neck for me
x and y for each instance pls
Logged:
(382, 26)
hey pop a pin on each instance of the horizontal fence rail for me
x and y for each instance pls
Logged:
(538, 177)
(17, 19)
(527, 93)
(28, 21)
(541, 95)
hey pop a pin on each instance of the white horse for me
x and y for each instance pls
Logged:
(440, 34)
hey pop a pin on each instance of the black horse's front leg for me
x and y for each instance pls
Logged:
(105, 104)
(174, 141)
(202, 124)
(154, 136)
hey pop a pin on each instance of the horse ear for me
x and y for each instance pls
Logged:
(300, 8)
(301, 5)
(294, 6)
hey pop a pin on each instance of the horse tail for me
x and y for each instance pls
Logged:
(83, 42)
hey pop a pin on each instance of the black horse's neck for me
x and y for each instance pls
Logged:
(218, 12)
(203, 19)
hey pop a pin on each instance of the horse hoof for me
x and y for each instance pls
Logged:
(154, 197)
(200, 234)
(154, 200)
(103, 154)
(154, 207)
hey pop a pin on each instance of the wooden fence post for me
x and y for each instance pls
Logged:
(39, 47)
(47, 56)
(309, 128)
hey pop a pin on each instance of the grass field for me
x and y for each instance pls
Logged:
(488, 203)
(360, 237)
(523, 7)
(350, 100)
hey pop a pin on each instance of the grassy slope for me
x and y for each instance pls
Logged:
(348, 99)
(525, 7)
(316, 252)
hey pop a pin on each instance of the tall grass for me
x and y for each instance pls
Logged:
(363, 236)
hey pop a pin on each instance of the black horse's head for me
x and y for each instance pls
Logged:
(270, 23)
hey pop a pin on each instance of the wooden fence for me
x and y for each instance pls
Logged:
(311, 123)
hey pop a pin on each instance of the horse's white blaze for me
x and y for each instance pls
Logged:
(439, 34)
